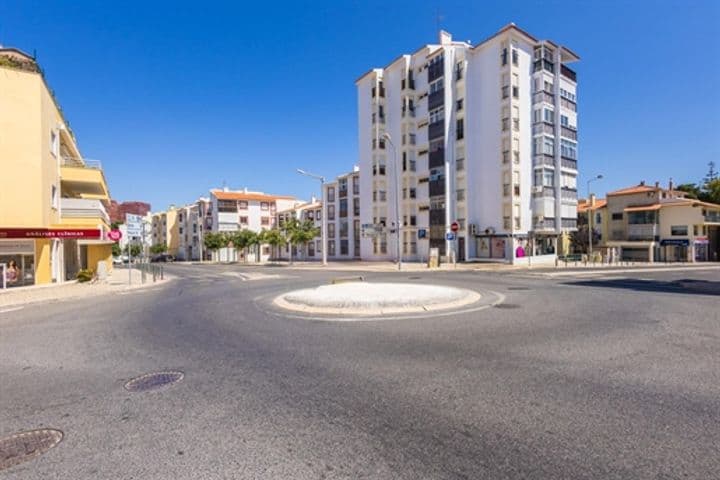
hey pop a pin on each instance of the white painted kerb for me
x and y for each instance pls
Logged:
(361, 298)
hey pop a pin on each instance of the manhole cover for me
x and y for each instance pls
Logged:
(507, 305)
(25, 446)
(414, 278)
(518, 288)
(154, 380)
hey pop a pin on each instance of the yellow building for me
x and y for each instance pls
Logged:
(165, 230)
(53, 203)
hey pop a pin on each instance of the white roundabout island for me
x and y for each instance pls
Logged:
(363, 299)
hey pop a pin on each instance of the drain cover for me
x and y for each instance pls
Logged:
(25, 446)
(507, 305)
(414, 278)
(518, 288)
(154, 380)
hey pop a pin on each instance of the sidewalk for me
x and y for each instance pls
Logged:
(117, 282)
(366, 266)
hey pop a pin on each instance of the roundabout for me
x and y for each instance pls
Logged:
(364, 299)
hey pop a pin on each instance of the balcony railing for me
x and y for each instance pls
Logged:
(642, 232)
(568, 133)
(544, 97)
(81, 163)
(568, 73)
(568, 194)
(568, 163)
(83, 208)
(545, 224)
(542, 160)
(543, 128)
(545, 192)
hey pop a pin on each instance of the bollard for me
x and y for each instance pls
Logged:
(162, 272)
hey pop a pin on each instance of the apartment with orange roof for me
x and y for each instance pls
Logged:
(649, 223)
(233, 211)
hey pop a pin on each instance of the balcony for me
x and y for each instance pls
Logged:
(543, 160)
(642, 232)
(436, 130)
(83, 178)
(437, 158)
(436, 99)
(568, 193)
(545, 224)
(568, 73)
(568, 163)
(543, 65)
(544, 97)
(543, 128)
(376, 118)
(545, 192)
(409, 112)
(407, 83)
(93, 211)
(568, 133)
(375, 91)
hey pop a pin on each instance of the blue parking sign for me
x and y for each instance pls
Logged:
(450, 236)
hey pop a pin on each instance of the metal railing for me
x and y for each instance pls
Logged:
(81, 163)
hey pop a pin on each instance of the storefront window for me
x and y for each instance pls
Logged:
(23, 272)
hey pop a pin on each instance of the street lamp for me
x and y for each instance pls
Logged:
(323, 228)
(398, 226)
(590, 214)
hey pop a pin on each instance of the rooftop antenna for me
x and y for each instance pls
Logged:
(438, 19)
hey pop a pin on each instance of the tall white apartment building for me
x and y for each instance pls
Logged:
(232, 211)
(484, 135)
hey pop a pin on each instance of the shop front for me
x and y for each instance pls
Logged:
(34, 256)
(675, 250)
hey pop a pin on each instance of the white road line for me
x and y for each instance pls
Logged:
(11, 309)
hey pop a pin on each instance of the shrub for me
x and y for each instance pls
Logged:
(85, 275)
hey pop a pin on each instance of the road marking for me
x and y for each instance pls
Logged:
(11, 309)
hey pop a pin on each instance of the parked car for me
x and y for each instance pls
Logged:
(163, 257)
(119, 260)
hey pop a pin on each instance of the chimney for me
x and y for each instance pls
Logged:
(657, 184)
(313, 199)
(670, 184)
(226, 189)
(591, 201)
(445, 38)
(245, 190)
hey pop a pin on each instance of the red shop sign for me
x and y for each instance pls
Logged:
(50, 233)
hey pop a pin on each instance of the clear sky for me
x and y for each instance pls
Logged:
(178, 97)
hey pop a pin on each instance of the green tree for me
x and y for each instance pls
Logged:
(214, 241)
(275, 238)
(134, 250)
(158, 248)
(579, 238)
(692, 190)
(712, 191)
(116, 250)
(299, 233)
(243, 240)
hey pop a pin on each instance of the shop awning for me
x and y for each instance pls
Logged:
(33, 233)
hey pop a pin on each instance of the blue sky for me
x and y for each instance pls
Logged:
(178, 97)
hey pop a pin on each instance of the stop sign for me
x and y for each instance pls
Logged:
(454, 226)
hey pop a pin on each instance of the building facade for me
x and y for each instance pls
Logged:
(53, 202)
(232, 211)
(166, 229)
(343, 216)
(484, 136)
(653, 224)
(311, 211)
(192, 219)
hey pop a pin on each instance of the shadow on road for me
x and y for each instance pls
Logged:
(687, 286)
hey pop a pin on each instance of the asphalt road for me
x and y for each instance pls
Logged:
(582, 377)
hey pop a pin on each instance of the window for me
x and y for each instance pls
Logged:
(617, 216)
(564, 121)
(568, 149)
(437, 86)
(460, 129)
(331, 195)
(679, 230)
(331, 229)
(503, 57)
(460, 194)
(568, 95)
(54, 197)
(343, 247)
(549, 116)
(331, 247)
(356, 186)
(548, 178)
(537, 115)
(343, 228)
(516, 86)
(318, 246)
(459, 105)
(413, 193)
(243, 220)
(265, 221)
(548, 146)
(343, 207)
(243, 205)
(264, 206)
(318, 214)
(331, 212)
(514, 57)
(227, 206)
(437, 115)
(54, 142)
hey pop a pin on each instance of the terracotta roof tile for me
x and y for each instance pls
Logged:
(222, 195)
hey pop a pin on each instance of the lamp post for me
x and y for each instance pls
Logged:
(590, 214)
(398, 226)
(323, 228)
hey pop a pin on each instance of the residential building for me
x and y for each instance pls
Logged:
(484, 136)
(343, 216)
(593, 210)
(190, 229)
(238, 210)
(650, 223)
(166, 229)
(311, 211)
(53, 202)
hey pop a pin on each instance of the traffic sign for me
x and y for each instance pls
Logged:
(114, 235)
(422, 233)
(455, 226)
(450, 236)
(134, 225)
